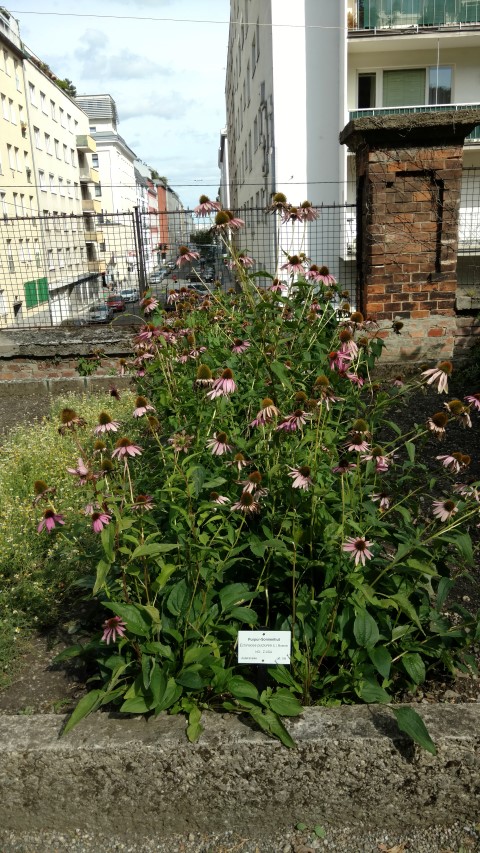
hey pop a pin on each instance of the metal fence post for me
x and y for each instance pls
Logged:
(139, 249)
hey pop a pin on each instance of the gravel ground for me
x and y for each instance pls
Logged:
(454, 839)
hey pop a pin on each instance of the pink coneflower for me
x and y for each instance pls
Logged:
(223, 386)
(113, 628)
(437, 424)
(219, 499)
(186, 256)
(278, 287)
(307, 212)
(100, 520)
(438, 376)
(343, 467)
(205, 206)
(473, 400)
(173, 296)
(357, 444)
(81, 471)
(204, 376)
(347, 343)
(246, 504)
(50, 520)
(455, 462)
(459, 411)
(467, 491)
(196, 352)
(339, 360)
(142, 503)
(252, 483)
(180, 441)
(239, 462)
(149, 304)
(381, 460)
(266, 414)
(142, 406)
(219, 445)
(70, 420)
(301, 477)
(105, 424)
(444, 510)
(358, 548)
(226, 221)
(294, 421)
(294, 265)
(325, 392)
(355, 379)
(124, 448)
(382, 499)
(279, 204)
(240, 346)
(325, 276)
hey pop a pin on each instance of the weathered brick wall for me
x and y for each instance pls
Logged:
(409, 171)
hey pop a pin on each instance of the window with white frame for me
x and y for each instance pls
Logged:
(56, 145)
(43, 103)
(13, 111)
(61, 258)
(48, 143)
(72, 157)
(61, 186)
(3, 203)
(16, 69)
(41, 180)
(3, 305)
(50, 263)
(22, 205)
(53, 111)
(7, 63)
(15, 203)
(16, 156)
(10, 261)
(36, 136)
(65, 154)
(62, 116)
(51, 179)
(69, 189)
(5, 108)
(32, 94)
(11, 161)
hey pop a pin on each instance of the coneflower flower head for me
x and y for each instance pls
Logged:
(99, 446)
(356, 317)
(204, 375)
(361, 426)
(439, 376)
(40, 487)
(105, 423)
(444, 509)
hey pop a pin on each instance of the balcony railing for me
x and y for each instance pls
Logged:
(421, 108)
(386, 14)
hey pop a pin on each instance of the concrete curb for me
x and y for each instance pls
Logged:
(351, 766)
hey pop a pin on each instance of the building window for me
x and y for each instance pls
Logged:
(16, 153)
(10, 261)
(36, 136)
(17, 75)
(53, 112)
(13, 115)
(61, 258)
(405, 87)
(51, 265)
(48, 143)
(43, 103)
(31, 92)
(57, 148)
(61, 186)
(5, 108)
(440, 84)
(53, 188)
(72, 156)
(65, 154)
(69, 189)
(41, 180)
(92, 129)
(366, 91)
(95, 161)
(11, 161)
(62, 117)
(15, 204)
(3, 204)
(98, 190)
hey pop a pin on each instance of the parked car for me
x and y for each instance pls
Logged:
(99, 313)
(157, 276)
(74, 321)
(130, 294)
(199, 288)
(115, 302)
(171, 265)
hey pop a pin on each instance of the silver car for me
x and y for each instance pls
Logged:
(99, 313)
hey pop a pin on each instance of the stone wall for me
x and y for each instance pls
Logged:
(409, 171)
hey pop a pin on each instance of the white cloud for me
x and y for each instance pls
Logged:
(98, 64)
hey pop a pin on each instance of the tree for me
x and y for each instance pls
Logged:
(67, 87)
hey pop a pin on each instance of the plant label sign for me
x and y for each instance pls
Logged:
(264, 646)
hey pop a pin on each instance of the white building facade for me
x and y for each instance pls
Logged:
(295, 77)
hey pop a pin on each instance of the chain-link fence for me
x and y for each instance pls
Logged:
(88, 269)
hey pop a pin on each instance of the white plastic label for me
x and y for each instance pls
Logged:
(264, 646)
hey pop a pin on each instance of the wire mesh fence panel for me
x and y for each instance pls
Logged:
(468, 262)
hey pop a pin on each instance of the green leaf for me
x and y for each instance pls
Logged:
(404, 604)
(463, 543)
(87, 704)
(319, 831)
(410, 448)
(270, 723)
(243, 614)
(234, 593)
(103, 568)
(444, 587)
(107, 537)
(284, 704)
(167, 571)
(172, 693)
(151, 549)
(71, 652)
(240, 688)
(177, 601)
(138, 621)
(423, 568)
(411, 723)
(281, 373)
(194, 728)
(415, 667)
(365, 630)
(190, 678)
(371, 692)
(381, 659)
(281, 675)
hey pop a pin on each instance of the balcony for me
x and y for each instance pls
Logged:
(97, 266)
(400, 14)
(94, 237)
(473, 138)
(89, 175)
(86, 144)
(91, 205)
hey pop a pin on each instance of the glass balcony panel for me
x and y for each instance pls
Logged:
(380, 14)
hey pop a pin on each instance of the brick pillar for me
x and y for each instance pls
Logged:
(409, 171)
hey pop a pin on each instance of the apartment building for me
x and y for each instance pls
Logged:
(47, 269)
(295, 78)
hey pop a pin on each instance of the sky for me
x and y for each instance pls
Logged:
(167, 77)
